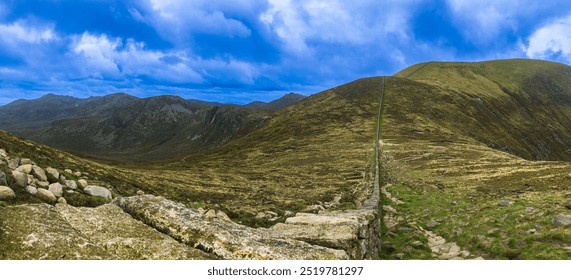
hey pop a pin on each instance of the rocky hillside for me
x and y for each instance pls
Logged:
(125, 128)
(45, 214)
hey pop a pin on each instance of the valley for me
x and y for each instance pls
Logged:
(474, 153)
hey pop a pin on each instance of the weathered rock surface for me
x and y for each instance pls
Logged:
(39, 173)
(46, 196)
(6, 193)
(71, 184)
(25, 161)
(82, 183)
(26, 168)
(38, 231)
(354, 231)
(52, 174)
(20, 179)
(31, 189)
(98, 191)
(223, 238)
(561, 220)
(56, 189)
(118, 233)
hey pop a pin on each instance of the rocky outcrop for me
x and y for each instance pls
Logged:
(26, 175)
(353, 231)
(98, 191)
(42, 231)
(38, 231)
(119, 234)
(223, 238)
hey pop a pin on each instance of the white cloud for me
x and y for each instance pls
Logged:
(99, 53)
(99, 56)
(298, 24)
(176, 20)
(482, 21)
(24, 32)
(551, 40)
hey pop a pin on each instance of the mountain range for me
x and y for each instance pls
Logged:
(123, 127)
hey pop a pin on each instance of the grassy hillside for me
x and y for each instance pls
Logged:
(307, 153)
(461, 137)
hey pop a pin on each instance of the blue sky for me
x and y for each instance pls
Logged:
(239, 51)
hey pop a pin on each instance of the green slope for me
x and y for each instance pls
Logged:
(461, 137)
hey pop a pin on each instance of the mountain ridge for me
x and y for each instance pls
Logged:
(123, 127)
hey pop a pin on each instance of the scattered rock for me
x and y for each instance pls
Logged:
(532, 231)
(432, 224)
(210, 213)
(6, 193)
(3, 153)
(70, 184)
(56, 189)
(68, 171)
(39, 173)
(493, 231)
(140, 192)
(53, 175)
(260, 215)
(3, 181)
(61, 200)
(46, 196)
(43, 184)
(25, 161)
(504, 203)
(271, 213)
(561, 220)
(14, 163)
(417, 243)
(288, 214)
(77, 174)
(20, 179)
(82, 183)
(26, 168)
(98, 191)
(31, 189)
(222, 215)
(529, 210)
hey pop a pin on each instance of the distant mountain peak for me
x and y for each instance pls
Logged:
(278, 104)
